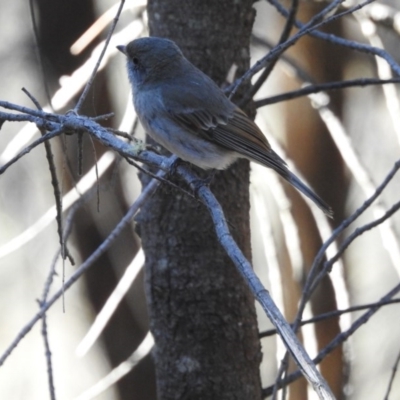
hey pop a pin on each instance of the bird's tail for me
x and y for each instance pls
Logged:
(298, 184)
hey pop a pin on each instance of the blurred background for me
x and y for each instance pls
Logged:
(344, 143)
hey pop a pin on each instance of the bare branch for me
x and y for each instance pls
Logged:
(265, 74)
(311, 282)
(341, 41)
(338, 340)
(89, 262)
(278, 50)
(336, 313)
(317, 88)
(27, 149)
(74, 123)
(95, 69)
(394, 371)
(260, 293)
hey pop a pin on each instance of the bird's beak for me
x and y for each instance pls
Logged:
(122, 49)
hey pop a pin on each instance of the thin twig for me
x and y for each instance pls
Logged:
(103, 117)
(54, 182)
(317, 88)
(341, 41)
(334, 314)
(27, 149)
(392, 376)
(80, 153)
(42, 301)
(336, 233)
(357, 232)
(93, 75)
(121, 134)
(337, 341)
(38, 52)
(32, 98)
(148, 191)
(49, 117)
(48, 357)
(305, 29)
(268, 69)
(97, 173)
(155, 176)
(45, 335)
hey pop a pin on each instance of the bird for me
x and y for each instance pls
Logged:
(186, 112)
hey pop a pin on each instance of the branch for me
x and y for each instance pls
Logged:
(338, 340)
(317, 88)
(260, 293)
(363, 48)
(165, 163)
(278, 50)
(74, 123)
(26, 150)
(394, 371)
(266, 73)
(97, 66)
(335, 314)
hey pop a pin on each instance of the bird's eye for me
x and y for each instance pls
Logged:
(135, 60)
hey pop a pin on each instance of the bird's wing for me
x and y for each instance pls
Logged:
(217, 119)
(194, 106)
(242, 135)
(221, 122)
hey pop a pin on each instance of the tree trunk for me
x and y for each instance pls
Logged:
(202, 313)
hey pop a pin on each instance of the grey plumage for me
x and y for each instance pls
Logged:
(188, 114)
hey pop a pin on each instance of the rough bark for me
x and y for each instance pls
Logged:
(202, 313)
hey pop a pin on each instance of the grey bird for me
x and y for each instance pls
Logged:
(186, 112)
